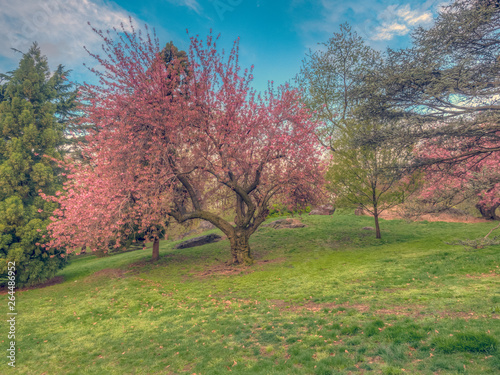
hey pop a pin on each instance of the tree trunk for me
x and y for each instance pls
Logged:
(488, 212)
(156, 250)
(240, 248)
(377, 227)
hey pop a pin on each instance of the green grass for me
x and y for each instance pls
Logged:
(473, 342)
(325, 299)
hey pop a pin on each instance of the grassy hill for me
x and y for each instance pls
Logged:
(325, 299)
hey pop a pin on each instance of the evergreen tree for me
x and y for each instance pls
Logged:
(35, 108)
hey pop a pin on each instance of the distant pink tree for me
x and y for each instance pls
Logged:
(459, 171)
(170, 135)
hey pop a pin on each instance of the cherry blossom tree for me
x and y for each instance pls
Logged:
(172, 135)
(450, 181)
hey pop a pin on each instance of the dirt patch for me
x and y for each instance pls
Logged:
(267, 261)
(277, 303)
(223, 269)
(482, 275)
(53, 281)
(313, 306)
(372, 360)
(188, 368)
(413, 311)
(447, 217)
(265, 353)
(465, 315)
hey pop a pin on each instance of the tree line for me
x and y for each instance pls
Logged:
(167, 135)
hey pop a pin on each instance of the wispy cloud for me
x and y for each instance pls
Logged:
(375, 20)
(413, 17)
(59, 26)
(191, 4)
(388, 30)
(398, 19)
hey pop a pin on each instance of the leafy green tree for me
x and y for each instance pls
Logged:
(333, 79)
(35, 107)
(366, 169)
(371, 175)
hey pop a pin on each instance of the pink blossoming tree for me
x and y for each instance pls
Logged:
(174, 133)
(459, 170)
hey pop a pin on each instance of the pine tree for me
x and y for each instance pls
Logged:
(35, 108)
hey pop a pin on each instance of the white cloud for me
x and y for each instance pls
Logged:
(413, 17)
(398, 19)
(374, 20)
(59, 26)
(387, 31)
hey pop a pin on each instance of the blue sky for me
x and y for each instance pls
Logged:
(274, 35)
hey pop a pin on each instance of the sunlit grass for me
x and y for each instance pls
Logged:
(325, 299)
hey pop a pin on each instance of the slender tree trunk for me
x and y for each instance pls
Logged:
(488, 212)
(377, 227)
(240, 248)
(156, 250)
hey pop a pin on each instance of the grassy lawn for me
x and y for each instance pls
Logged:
(325, 299)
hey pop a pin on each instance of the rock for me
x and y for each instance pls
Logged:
(368, 228)
(285, 223)
(206, 225)
(198, 241)
(325, 209)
